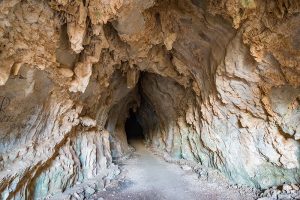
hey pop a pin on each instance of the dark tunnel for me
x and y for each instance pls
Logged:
(133, 129)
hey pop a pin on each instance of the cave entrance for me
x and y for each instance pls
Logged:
(133, 129)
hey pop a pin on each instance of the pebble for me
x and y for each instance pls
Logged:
(295, 187)
(186, 168)
(264, 198)
(287, 187)
(66, 72)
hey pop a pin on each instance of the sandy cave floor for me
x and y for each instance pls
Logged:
(149, 177)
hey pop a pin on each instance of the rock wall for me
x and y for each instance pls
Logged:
(212, 82)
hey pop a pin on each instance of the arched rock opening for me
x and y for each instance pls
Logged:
(212, 83)
(161, 106)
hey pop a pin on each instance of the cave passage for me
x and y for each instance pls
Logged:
(133, 129)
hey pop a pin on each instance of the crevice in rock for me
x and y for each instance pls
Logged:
(133, 129)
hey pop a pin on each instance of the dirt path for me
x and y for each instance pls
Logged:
(150, 177)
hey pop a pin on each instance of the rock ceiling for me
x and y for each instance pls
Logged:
(214, 82)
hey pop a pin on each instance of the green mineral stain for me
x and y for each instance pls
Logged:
(248, 3)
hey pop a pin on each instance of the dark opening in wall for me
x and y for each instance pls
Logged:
(133, 128)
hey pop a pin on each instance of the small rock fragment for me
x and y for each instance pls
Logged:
(186, 167)
(66, 72)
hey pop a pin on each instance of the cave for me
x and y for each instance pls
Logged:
(157, 99)
(133, 129)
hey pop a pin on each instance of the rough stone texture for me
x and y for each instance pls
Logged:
(283, 192)
(214, 82)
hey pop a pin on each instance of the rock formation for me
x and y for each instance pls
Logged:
(213, 82)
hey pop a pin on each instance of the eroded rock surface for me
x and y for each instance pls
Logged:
(212, 82)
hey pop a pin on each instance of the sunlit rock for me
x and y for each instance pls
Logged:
(211, 83)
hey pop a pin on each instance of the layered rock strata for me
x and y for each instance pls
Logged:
(213, 82)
